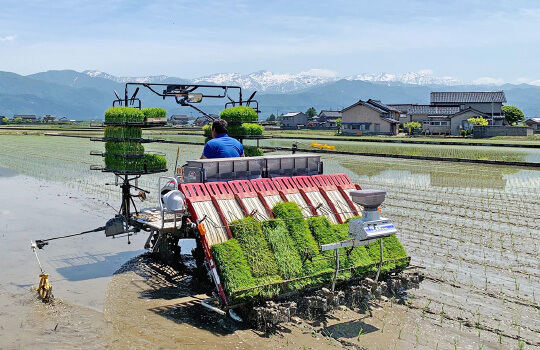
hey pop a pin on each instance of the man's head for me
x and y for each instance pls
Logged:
(219, 126)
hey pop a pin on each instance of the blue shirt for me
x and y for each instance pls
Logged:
(223, 146)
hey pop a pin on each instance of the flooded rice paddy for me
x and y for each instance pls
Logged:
(472, 229)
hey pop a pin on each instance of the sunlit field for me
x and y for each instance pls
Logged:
(472, 229)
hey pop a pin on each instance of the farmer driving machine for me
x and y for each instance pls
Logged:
(265, 226)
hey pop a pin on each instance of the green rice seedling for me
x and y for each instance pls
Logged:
(119, 148)
(155, 161)
(233, 266)
(115, 162)
(297, 226)
(288, 260)
(121, 132)
(252, 151)
(207, 130)
(154, 113)
(124, 114)
(239, 114)
(269, 286)
(393, 249)
(260, 257)
(325, 233)
(149, 162)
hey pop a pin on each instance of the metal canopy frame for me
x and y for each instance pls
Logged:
(180, 93)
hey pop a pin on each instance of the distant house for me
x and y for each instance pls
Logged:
(49, 118)
(201, 121)
(293, 120)
(26, 118)
(533, 123)
(487, 102)
(371, 117)
(420, 113)
(179, 119)
(327, 119)
(434, 119)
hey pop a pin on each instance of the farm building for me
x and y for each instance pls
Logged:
(370, 117)
(26, 118)
(293, 120)
(179, 119)
(533, 123)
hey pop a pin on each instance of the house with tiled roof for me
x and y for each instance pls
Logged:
(326, 119)
(371, 117)
(448, 111)
(488, 102)
(179, 119)
(427, 115)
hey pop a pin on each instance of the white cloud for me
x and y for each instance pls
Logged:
(8, 38)
(318, 72)
(534, 82)
(425, 71)
(489, 81)
(522, 80)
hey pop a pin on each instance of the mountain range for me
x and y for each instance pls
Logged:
(85, 95)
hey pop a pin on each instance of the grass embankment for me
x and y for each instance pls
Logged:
(282, 255)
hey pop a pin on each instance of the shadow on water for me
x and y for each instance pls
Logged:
(180, 291)
(193, 313)
(89, 266)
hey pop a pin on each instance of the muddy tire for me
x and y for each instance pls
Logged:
(167, 251)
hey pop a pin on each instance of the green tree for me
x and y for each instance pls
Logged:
(477, 121)
(513, 115)
(271, 118)
(338, 124)
(5, 120)
(17, 120)
(411, 126)
(311, 112)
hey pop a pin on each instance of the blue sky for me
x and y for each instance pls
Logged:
(497, 41)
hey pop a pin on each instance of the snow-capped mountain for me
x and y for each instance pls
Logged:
(268, 82)
(407, 78)
(150, 79)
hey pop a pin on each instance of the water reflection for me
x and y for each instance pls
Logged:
(412, 173)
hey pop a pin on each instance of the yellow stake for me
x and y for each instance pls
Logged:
(44, 289)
